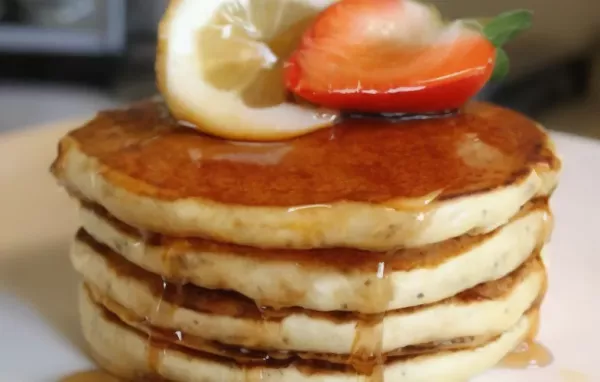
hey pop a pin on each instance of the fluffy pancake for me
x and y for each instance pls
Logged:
(127, 353)
(332, 279)
(229, 318)
(361, 184)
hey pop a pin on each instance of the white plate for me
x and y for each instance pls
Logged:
(39, 330)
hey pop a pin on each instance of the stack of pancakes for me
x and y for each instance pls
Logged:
(370, 251)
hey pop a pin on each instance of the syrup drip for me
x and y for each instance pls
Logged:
(548, 226)
(530, 353)
(367, 349)
(253, 374)
(267, 314)
(156, 350)
(172, 285)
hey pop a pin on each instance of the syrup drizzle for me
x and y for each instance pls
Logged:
(317, 170)
(156, 349)
(253, 374)
(266, 313)
(172, 284)
(548, 226)
(367, 356)
(530, 353)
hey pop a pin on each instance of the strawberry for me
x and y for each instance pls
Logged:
(388, 56)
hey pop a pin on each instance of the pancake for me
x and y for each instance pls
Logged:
(332, 279)
(128, 354)
(361, 361)
(363, 183)
(232, 319)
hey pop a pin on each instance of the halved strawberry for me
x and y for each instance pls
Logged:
(388, 56)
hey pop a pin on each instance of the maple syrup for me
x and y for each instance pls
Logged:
(548, 226)
(368, 160)
(530, 353)
(367, 356)
(90, 376)
(172, 285)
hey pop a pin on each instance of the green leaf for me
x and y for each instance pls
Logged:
(507, 26)
(502, 65)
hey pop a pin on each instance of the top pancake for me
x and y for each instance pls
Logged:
(367, 183)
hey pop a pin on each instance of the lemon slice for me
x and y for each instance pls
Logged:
(220, 66)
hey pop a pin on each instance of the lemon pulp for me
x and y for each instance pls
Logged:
(243, 48)
(220, 66)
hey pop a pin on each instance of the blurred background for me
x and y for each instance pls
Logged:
(62, 59)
